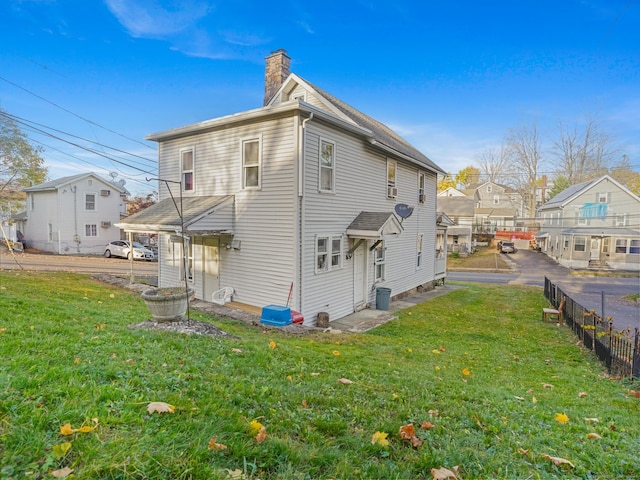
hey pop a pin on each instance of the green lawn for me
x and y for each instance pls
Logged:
(476, 366)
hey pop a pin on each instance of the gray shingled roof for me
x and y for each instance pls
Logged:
(381, 133)
(59, 182)
(165, 213)
(456, 206)
(372, 221)
(567, 193)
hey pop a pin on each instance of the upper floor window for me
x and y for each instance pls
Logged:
(421, 188)
(489, 189)
(603, 197)
(392, 188)
(496, 199)
(579, 244)
(582, 220)
(327, 166)
(621, 220)
(187, 169)
(251, 163)
(89, 201)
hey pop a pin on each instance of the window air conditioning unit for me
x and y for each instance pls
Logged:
(392, 192)
(106, 224)
(105, 193)
(421, 198)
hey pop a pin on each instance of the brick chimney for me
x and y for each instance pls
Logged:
(276, 71)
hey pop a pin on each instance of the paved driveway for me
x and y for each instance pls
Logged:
(530, 268)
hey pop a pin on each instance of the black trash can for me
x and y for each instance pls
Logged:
(383, 296)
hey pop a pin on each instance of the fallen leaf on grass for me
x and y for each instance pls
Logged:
(547, 385)
(345, 381)
(634, 393)
(408, 432)
(444, 473)
(336, 353)
(442, 349)
(380, 438)
(523, 451)
(304, 403)
(160, 407)
(67, 430)
(60, 450)
(437, 352)
(561, 418)
(236, 474)
(236, 350)
(254, 427)
(213, 445)
(591, 419)
(62, 472)
(558, 461)
(582, 394)
(594, 436)
(466, 372)
(427, 425)
(262, 434)
(272, 344)
(433, 413)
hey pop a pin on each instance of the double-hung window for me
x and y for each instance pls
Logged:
(328, 253)
(89, 201)
(379, 261)
(621, 245)
(421, 188)
(392, 189)
(187, 164)
(251, 163)
(579, 244)
(621, 220)
(91, 230)
(327, 166)
(419, 252)
(634, 247)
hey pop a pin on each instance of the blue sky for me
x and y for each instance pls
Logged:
(451, 77)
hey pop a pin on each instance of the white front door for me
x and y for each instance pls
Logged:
(210, 267)
(360, 277)
(595, 249)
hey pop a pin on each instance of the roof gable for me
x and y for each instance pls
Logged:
(574, 191)
(63, 181)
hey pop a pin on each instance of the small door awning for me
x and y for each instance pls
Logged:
(207, 215)
(541, 235)
(374, 225)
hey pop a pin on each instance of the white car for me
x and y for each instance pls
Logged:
(121, 248)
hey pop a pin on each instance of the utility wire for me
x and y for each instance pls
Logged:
(74, 114)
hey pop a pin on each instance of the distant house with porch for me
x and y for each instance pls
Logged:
(460, 210)
(594, 224)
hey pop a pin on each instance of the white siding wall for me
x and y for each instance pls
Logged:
(262, 270)
(361, 185)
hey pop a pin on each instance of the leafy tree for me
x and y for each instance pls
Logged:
(138, 203)
(467, 177)
(21, 164)
(560, 183)
(624, 174)
(446, 182)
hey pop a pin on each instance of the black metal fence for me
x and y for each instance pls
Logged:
(618, 349)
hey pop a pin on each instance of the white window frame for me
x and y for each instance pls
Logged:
(422, 182)
(489, 189)
(581, 220)
(576, 244)
(634, 247)
(379, 262)
(605, 245)
(331, 168)
(87, 203)
(246, 165)
(621, 220)
(186, 171)
(329, 257)
(496, 199)
(50, 232)
(621, 245)
(419, 251)
(91, 230)
(603, 197)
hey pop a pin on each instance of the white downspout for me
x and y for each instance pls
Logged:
(301, 177)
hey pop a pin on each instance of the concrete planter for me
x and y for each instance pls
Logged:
(167, 304)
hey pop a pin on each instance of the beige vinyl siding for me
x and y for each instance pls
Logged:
(360, 185)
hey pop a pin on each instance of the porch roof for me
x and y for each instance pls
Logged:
(602, 232)
(374, 225)
(163, 217)
(459, 230)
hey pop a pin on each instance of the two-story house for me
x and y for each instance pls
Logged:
(305, 200)
(594, 224)
(499, 208)
(74, 215)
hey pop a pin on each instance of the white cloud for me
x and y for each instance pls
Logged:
(153, 20)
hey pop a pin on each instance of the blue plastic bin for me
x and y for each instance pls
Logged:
(276, 315)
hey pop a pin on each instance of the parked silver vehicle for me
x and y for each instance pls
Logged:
(508, 247)
(121, 248)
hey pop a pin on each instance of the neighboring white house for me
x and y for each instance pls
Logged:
(594, 224)
(295, 202)
(73, 215)
(460, 210)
